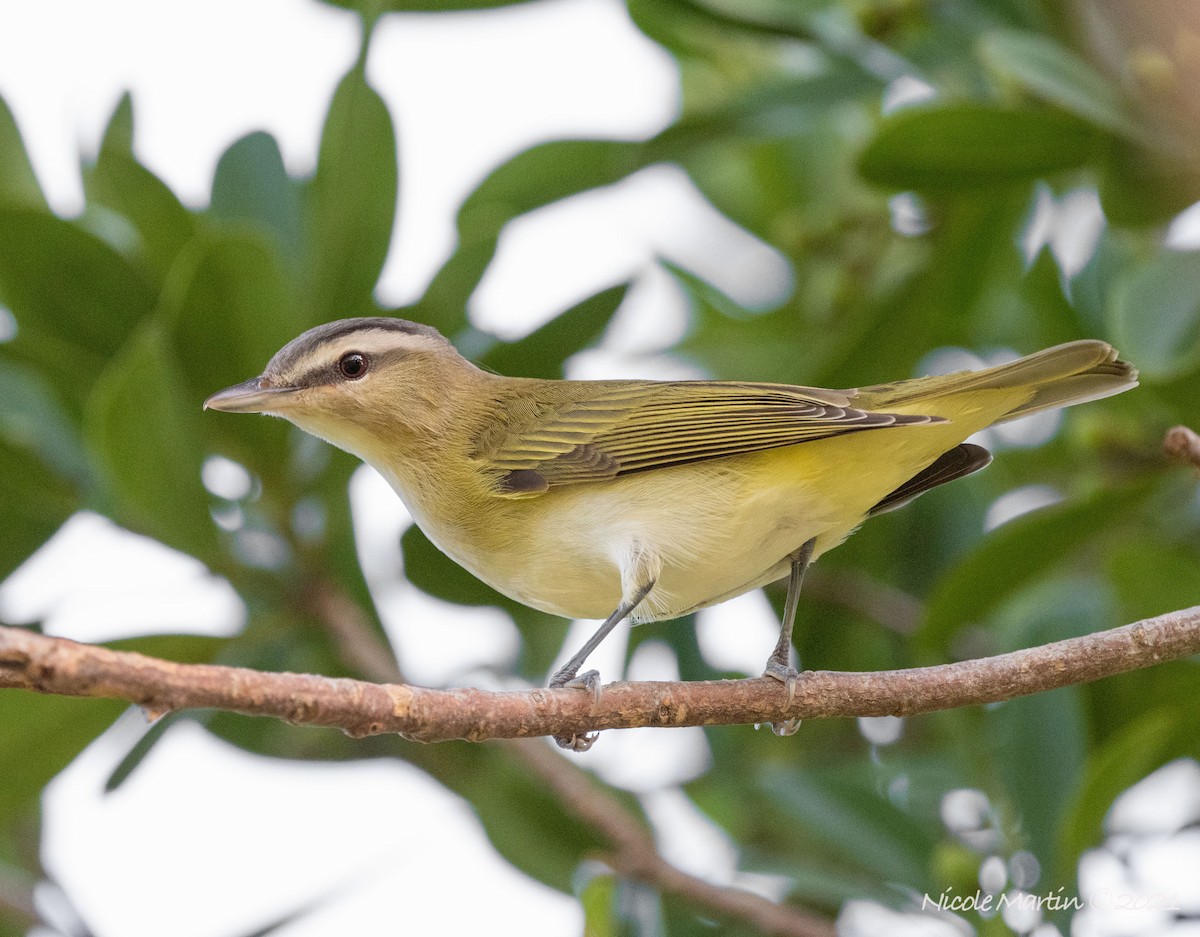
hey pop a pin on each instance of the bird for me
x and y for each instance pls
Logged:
(642, 499)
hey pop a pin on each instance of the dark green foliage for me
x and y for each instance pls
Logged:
(128, 316)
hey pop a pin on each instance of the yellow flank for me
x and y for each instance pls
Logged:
(573, 497)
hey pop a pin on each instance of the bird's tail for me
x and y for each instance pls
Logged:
(1056, 377)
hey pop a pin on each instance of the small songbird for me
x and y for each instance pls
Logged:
(644, 499)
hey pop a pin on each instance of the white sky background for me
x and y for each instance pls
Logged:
(466, 91)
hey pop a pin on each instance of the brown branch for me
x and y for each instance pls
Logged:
(56, 665)
(885, 604)
(359, 644)
(1182, 445)
(635, 855)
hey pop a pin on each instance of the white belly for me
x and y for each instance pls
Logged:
(716, 541)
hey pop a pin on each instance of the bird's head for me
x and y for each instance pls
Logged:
(365, 385)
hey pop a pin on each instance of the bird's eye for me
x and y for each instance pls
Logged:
(353, 365)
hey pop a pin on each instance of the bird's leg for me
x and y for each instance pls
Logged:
(779, 664)
(568, 675)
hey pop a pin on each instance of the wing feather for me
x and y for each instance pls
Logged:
(614, 428)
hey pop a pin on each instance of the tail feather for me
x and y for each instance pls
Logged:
(1056, 377)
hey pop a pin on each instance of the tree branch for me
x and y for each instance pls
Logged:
(55, 665)
(635, 855)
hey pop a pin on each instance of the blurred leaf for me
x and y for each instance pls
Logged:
(1154, 315)
(76, 299)
(145, 434)
(1140, 187)
(536, 177)
(228, 311)
(1014, 554)
(543, 352)
(251, 185)
(119, 182)
(1057, 75)
(39, 736)
(31, 418)
(118, 135)
(1046, 730)
(736, 344)
(1128, 756)
(953, 147)
(18, 184)
(1153, 578)
(33, 505)
(598, 898)
(841, 809)
(352, 201)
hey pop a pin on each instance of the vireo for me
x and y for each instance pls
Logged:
(644, 499)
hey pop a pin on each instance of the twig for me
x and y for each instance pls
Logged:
(56, 665)
(636, 856)
(1182, 445)
(885, 604)
(358, 643)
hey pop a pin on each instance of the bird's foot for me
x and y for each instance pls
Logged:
(790, 677)
(588, 680)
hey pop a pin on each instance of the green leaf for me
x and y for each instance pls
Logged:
(1153, 578)
(1141, 187)
(76, 300)
(18, 185)
(251, 185)
(954, 147)
(1058, 76)
(229, 309)
(543, 352)
(164, 226)
(119, 182)
(598, 900)
(352, 201)
(31, 418)
(118, 135)
(536, 177)
(145, 436)
(841, 810)
(39, 736)
(1010, 557)
(1128, 756)
(1046, 730)
(33, 505)
(1154, 315)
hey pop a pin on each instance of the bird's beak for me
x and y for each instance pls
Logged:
(248, 397)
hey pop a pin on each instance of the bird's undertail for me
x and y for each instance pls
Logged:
(1057, 377)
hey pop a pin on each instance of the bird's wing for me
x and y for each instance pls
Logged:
(615, 428)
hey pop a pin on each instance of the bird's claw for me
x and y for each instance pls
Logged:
(588, 680)
(790, 678)
(576, 743)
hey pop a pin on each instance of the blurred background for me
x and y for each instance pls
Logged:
(825, 192)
